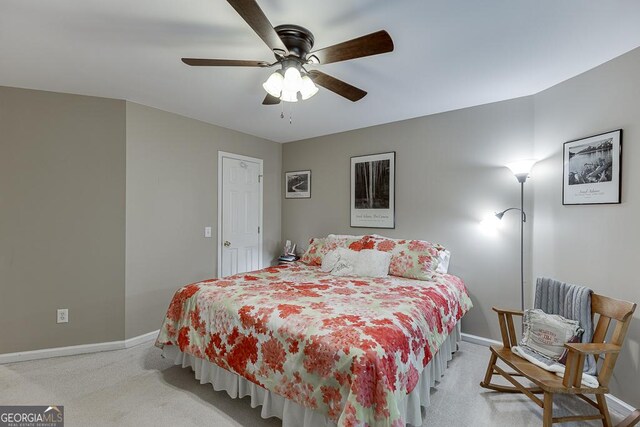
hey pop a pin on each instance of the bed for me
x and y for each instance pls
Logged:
(316, 349)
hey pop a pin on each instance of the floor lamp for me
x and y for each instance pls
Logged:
(521, 170)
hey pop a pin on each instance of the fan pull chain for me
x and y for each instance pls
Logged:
(290, 113)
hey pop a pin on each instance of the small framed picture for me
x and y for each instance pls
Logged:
(592, 169)
(373, 183)
(298, 185)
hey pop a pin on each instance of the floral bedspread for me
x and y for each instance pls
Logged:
(348, 347)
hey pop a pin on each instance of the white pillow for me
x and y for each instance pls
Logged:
(365, 263)
(344, 236)
(443, 261)
(330, 260)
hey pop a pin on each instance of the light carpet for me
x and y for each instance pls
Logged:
(136, 387)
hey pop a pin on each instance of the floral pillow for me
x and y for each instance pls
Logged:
(319, 247)
(413, 259)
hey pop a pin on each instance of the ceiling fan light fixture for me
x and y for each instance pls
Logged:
(289, 95)
(308, 88)
(274, 84)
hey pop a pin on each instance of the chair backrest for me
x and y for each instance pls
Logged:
(608, 310)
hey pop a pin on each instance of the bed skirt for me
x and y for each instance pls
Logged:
(293, 414)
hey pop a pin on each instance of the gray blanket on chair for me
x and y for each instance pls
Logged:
(571, 302)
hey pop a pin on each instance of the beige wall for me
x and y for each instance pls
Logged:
(593, 245)
(62, 219)
(172, 181)
(448, 176)
(91, 187)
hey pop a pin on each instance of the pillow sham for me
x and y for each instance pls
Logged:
(319, 247)
(413, 259)
(365, 263)
(546, 334)
(345, 236)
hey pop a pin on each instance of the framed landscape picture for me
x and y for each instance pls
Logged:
(592, 169)
(373, 190)
(298, 185)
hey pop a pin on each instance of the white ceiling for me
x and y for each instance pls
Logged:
(448, 54)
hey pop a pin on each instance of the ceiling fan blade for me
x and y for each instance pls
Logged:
(270, 100)
(371, 44)
(197, 62)
(352, 93)
(255, 17)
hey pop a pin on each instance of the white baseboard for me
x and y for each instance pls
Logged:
(474, 339)
(615, 404)
(141, 339)
(23, 356)
(619, 406)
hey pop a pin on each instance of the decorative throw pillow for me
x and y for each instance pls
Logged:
(365, 263)
(319, 247)
(330, 260)
(546, 334)
(413, 259)
(372, 263)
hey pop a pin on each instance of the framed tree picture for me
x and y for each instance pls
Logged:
(373, 190)
(592, 169)
(298, 185)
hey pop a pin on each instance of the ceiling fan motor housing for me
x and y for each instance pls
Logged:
(297, 39)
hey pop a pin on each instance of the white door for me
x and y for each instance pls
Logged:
(240, 214)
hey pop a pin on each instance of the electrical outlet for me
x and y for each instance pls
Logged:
(207, 232)
(63, 315)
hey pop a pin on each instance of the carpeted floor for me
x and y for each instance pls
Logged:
(136, 387)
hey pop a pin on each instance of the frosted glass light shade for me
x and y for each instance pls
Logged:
(274, 84)
(308, 88)
(292, 80)
(289, 95)
(521, 166)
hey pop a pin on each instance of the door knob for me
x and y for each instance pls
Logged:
(227, 243)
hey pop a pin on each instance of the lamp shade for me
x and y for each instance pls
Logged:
(274, 84)
(521, 167)
(308, 88)
(292, 79)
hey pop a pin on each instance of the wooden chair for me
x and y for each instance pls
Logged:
(549, 383)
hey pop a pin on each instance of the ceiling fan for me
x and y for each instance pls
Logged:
(291, 45)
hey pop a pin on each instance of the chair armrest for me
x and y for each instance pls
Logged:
(507, 311)
(593, 348)
(507, 328)
(576, 357)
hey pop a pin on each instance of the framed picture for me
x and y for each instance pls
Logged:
(592, 169)
(373, 181)
(298, 185)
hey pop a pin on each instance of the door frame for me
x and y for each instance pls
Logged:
(221, 156)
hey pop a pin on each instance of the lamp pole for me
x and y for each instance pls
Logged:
(522, 177)
(523, 219)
